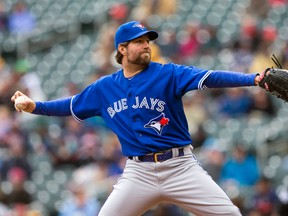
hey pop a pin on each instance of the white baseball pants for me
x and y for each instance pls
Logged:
(180, 180)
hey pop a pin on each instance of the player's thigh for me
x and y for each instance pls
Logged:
(194, 190)
(133, 194)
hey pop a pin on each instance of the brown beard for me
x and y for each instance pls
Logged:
(141, 60)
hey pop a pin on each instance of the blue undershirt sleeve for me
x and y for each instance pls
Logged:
(59, 107)
(220, 79)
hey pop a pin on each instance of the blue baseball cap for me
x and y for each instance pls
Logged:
(131, 30)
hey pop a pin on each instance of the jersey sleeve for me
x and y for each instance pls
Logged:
(59, 107)
(222, 79)
(87, 103)
(189, 78)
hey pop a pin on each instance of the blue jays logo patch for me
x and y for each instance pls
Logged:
(139, 25)
(158, 123)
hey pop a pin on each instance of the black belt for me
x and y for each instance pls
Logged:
(159, 156)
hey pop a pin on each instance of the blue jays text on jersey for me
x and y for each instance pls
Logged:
(151, 103)
(145, 112)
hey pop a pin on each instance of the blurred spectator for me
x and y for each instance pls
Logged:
(19, 76)
(3, 17)
(284, 55)
(189, 45)
(113, 156)
(119, 12)
(79, 203)
(261, 59)
(262, 103)
(10, 82)
(4, 210)
(248, 29)
(194, 105)
(198, 135)
(5, 126)
(3, 66)
(156, 54)
(62, 145)
(5, 74)
(94, 177)
(104, 51)
(207, 37)
(282, 194)
(262, 56)
(20, 19)
(28, 81)
(169, 45)
(269, 34)
(19, 195)
(164, 8)
(70, 89)
(2, 197)
(264, 200)
(234, 103)
(277, 3)
(76, 144)
(212, 158)
(242, 55)
(251, 32)
(146, 8)
(16, 155)
(240, 169)
(89, 149)
(18, 199)
(258, 9)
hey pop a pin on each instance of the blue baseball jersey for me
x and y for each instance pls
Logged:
(146, 111)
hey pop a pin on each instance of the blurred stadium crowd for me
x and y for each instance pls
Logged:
(50, 49)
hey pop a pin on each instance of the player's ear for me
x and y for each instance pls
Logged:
(122, 49)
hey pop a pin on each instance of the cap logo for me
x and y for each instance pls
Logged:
(131, 30)
(139, 25)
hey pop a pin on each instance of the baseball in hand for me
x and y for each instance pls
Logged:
(21, 102)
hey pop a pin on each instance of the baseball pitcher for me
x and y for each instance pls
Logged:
(142, 104)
